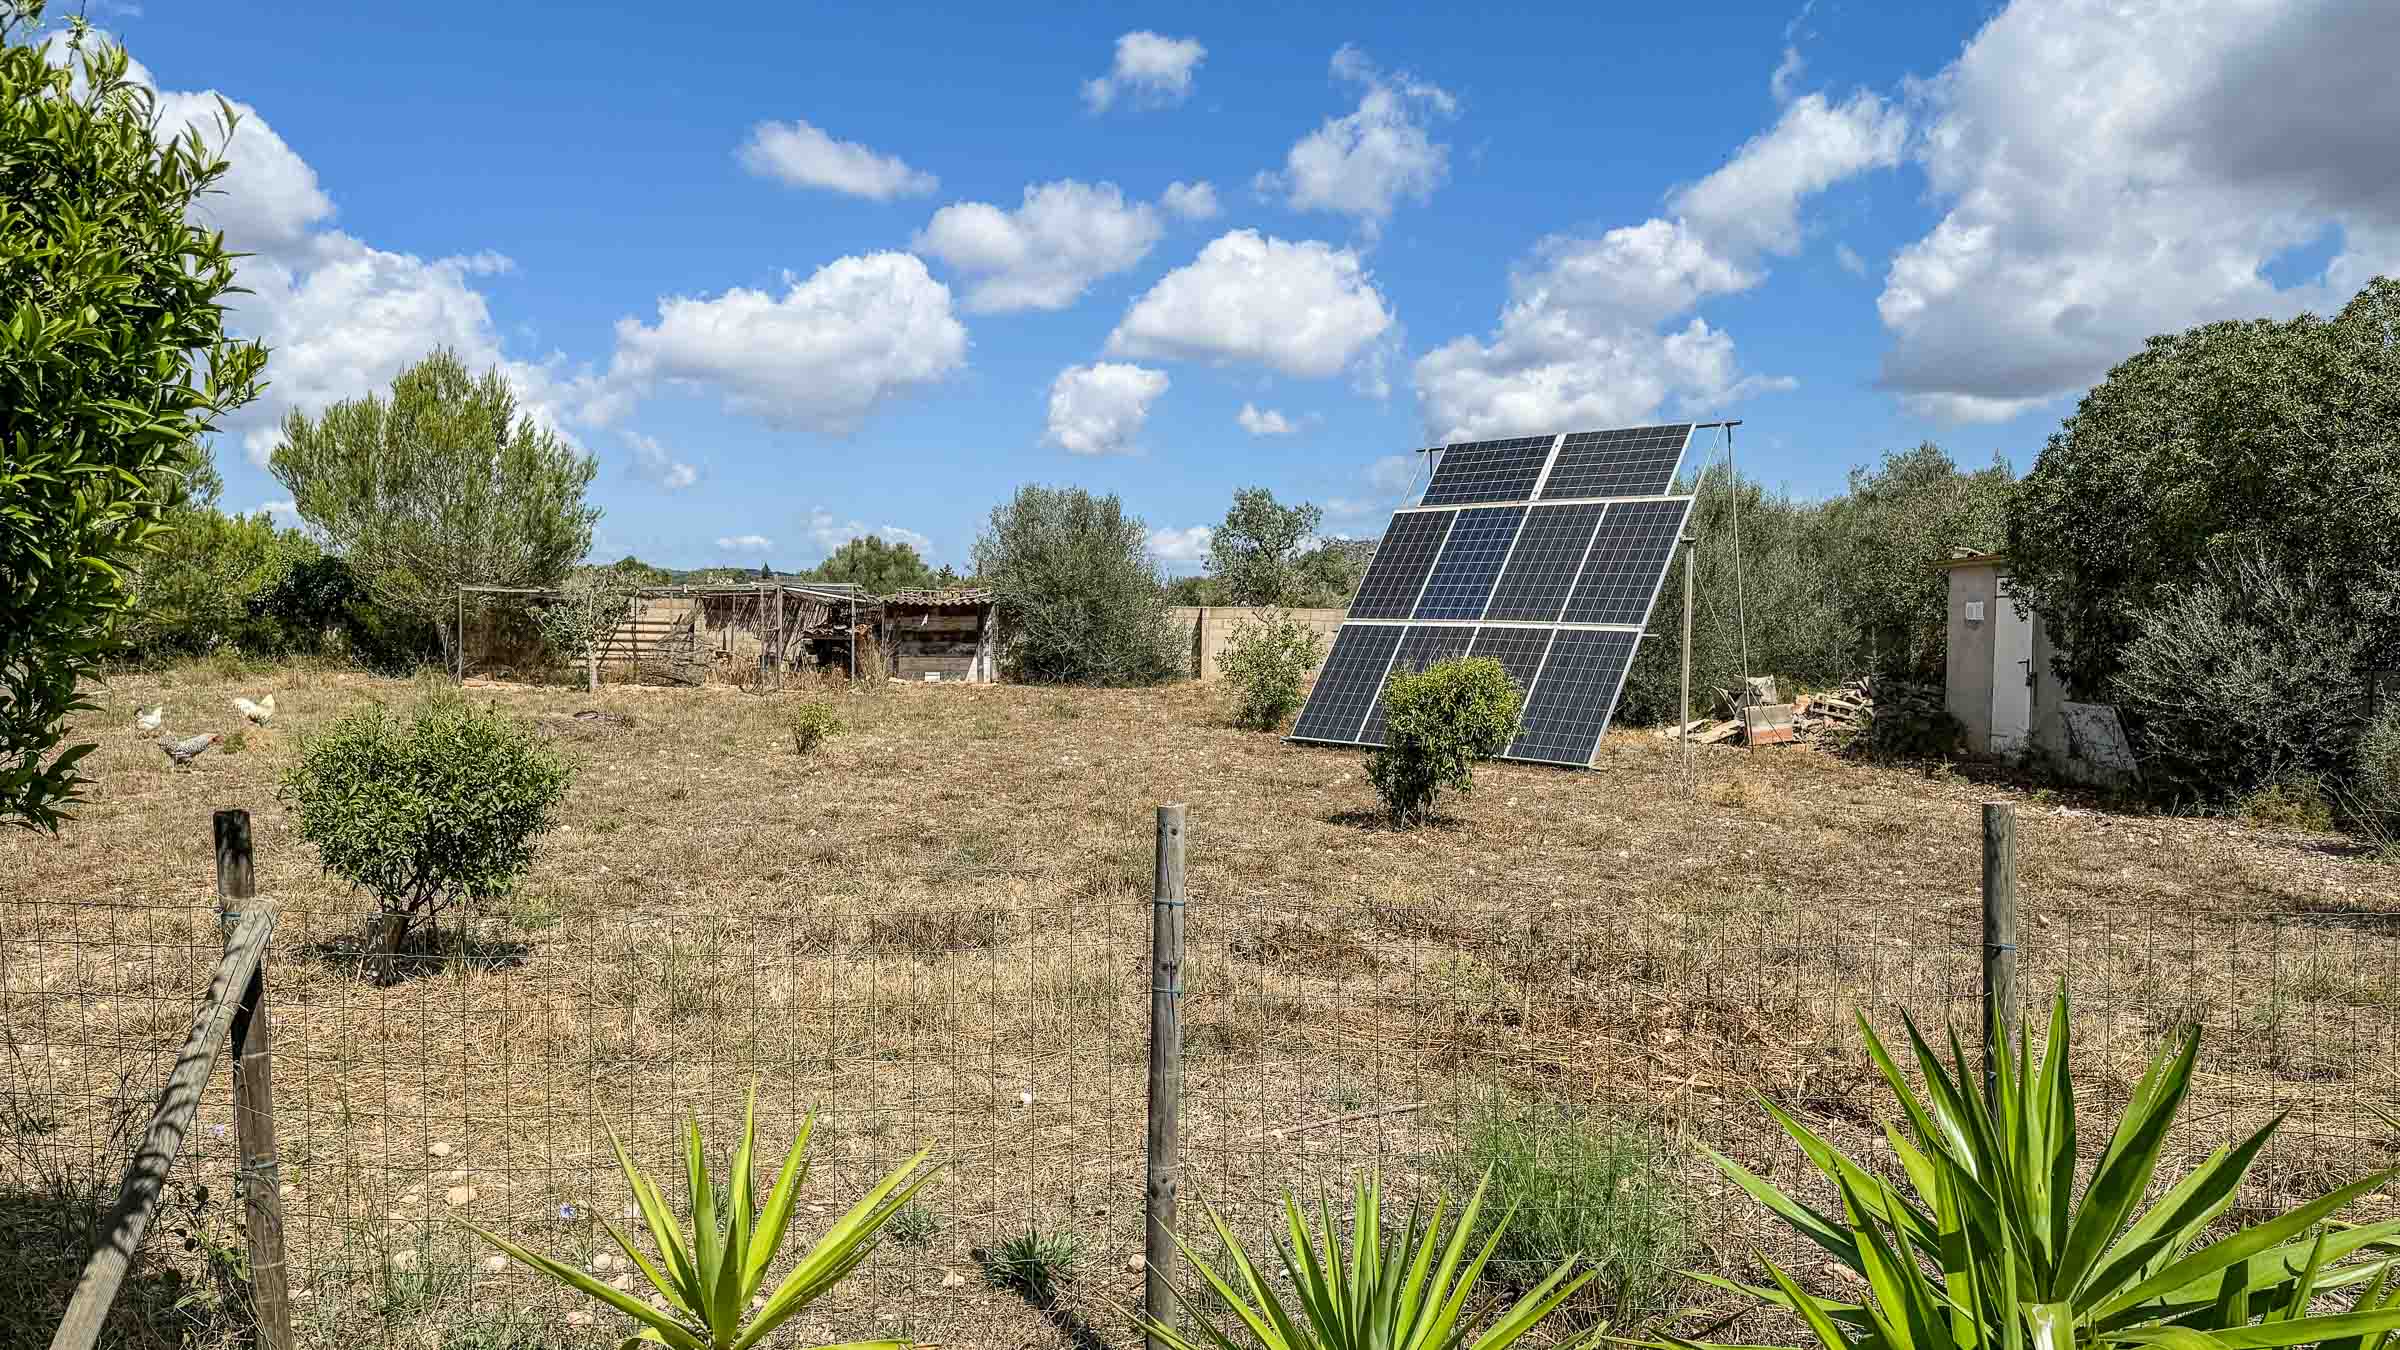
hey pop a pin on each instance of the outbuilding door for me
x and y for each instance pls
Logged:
(2012, 673)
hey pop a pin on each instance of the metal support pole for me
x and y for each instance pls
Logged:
(1999, 935)
(251, 1039)
(458, 637)
(1166, 1070)
(1684, 726)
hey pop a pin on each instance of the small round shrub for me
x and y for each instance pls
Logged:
(425, 813)
(2375, 771)
(1268, 664)
(1437, 723)
(811, 723)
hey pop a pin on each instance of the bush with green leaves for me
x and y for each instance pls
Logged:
(811, 724)
(589, 606)
(425, 813)
(1398, 1288)
(2245, 678)
(1268, 661)
(710, 1281)
(1437, 722)
(1989, 1226)
(1080, 601)
(1580, 1186)
(2375, 774)
(1034, 1265)
(114, 363)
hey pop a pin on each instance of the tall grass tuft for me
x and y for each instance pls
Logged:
(1587, 1185)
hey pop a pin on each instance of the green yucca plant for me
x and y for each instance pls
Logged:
(709, 1277)
(1991, 1246)
(1385, 1293)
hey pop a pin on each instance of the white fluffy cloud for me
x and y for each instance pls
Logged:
(1048, 251)
(802, 155)
(1192, 201)
(1264, 422)
(654, 463)
(1595, 332)
(1306, 309)
(1156, 70)
(1363, 163)
(821, 356)
(2115, 170)
(744, 543)
(829, 532)
(341, 316)
(1098, 409)
(1185, 545)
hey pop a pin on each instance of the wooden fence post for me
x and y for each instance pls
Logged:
(1166, 1070)
(253, 1044)
(1999, 934)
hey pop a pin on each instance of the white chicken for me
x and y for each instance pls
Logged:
(259, 713)
(148, 720)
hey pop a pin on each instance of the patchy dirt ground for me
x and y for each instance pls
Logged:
(937, 927)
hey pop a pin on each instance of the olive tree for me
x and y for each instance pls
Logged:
(114, 362)
(1437, 722)
(1255, 554)
(589, 605)
(1079, 599)
(445, 483)
(2247, 439)
(876, 565)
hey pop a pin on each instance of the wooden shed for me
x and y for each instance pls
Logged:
(941, 636)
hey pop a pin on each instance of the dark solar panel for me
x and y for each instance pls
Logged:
(1631, 462)
(1542, 570)
(1573, 696)
(1628, 560)
(1397, 574)
(1518, 650)
(1461, 583)
(1347, 686)
(1488, 471)
(1421, 648)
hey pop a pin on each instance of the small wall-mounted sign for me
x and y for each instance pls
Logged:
(1974, 611)
(933, 677)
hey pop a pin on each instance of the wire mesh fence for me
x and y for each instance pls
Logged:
(1581, 976)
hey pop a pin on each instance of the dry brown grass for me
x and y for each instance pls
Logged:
(936, 926)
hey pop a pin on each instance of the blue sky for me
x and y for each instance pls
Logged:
(796, 272)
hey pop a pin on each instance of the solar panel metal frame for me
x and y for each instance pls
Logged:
(1460, 487)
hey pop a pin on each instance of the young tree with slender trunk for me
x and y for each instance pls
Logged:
(444, 484)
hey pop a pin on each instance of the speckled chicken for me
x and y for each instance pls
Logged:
(189, 748)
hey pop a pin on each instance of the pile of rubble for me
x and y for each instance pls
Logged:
(1755, 714)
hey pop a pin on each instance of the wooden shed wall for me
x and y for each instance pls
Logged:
(948, 642)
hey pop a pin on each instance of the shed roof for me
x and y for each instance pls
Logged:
(956, 595)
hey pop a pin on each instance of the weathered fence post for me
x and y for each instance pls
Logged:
(1166, 1069)
(1999, 933)
(253, 1044)
(1683, 714)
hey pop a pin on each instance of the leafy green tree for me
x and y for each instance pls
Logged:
(1777, 614)
(877, 565)
(1328, 575)
(1079, 599)
(1255, 555)
(1192, 591)
(444, 484)
(1882, 539)
(589, 606)
(1437, 723)
(2279, 440)
(439, 810)
(1268, 663)
(114, 362)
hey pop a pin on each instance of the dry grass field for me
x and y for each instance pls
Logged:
(935, 927)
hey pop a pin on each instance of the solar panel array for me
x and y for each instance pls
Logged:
(1545, 553)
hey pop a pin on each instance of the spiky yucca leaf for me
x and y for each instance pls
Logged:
(1992, 1246)
(707, 1276)
(1386, 1292)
